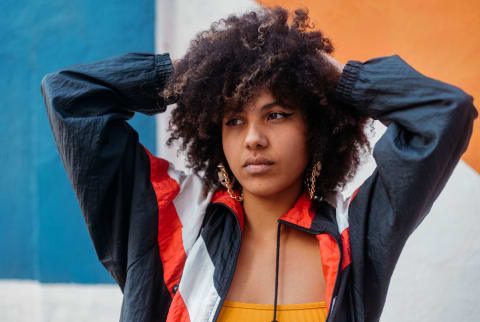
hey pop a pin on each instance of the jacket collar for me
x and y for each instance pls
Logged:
(299, 215)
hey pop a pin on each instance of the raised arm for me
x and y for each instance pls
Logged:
(123, 190)
(429, 127)
(87, 107)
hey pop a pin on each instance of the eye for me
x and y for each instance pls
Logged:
(233, 122)
(278, 115)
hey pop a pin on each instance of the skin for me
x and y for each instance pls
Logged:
(278, 133)
(265, 128)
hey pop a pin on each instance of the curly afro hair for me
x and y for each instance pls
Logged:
(228, 64)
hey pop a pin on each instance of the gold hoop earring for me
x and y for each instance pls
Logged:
(225, 181)
(313, 178)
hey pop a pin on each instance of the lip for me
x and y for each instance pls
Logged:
(257, 165)
(257, 161)
(258, 168)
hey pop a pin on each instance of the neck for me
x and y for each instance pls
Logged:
(262, 213)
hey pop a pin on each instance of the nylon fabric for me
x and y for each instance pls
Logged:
(171, 249)
(330, 254)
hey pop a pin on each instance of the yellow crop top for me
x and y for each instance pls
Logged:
(241, 312)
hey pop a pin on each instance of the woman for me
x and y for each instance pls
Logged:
(273, 128)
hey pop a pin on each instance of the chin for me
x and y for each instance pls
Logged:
(263, 189)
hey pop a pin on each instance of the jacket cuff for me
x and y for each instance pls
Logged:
(163, 70)
(346, 84)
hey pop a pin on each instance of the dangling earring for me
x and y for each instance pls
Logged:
(313, 178)
(225, 181)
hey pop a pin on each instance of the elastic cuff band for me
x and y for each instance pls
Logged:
(349, 76)
(163, 70)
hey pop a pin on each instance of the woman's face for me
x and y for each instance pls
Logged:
(265, 146)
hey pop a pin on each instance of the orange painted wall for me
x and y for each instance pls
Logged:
(439, 38)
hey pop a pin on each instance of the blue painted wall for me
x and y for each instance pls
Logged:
(42, 232)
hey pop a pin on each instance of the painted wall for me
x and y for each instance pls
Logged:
(42, 232)
(437, 37)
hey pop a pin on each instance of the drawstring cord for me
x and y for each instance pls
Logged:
(276, 275)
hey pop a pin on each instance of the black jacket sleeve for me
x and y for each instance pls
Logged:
(87, 107)
(429, 124)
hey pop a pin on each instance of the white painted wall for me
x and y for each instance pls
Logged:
(438, 274)
(31, 301)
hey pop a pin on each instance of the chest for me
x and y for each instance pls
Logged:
(301, 278)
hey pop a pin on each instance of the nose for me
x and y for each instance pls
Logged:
(255, 138)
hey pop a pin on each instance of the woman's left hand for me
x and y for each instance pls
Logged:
(335, 63)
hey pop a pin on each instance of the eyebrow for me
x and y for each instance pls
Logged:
(269, 105)
(275, 103)
(265, 107)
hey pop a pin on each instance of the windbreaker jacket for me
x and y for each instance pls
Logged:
(172, 246)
